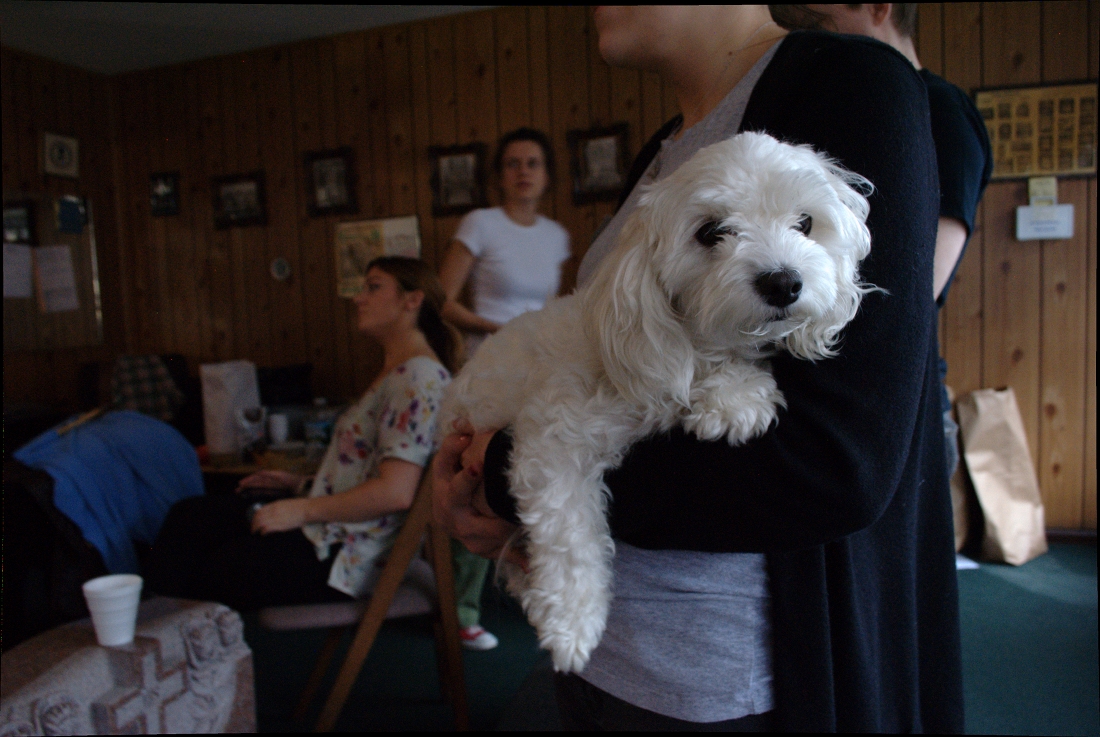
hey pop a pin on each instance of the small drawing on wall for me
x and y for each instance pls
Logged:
(19, 223)
(330, 182)
(458, 178)
(60, 155)
(164, 193)
(239, 200)
(359, 243)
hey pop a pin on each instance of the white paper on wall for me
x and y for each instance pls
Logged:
(17, 270)
(53, 266)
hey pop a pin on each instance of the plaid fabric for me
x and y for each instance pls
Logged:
(143, 384)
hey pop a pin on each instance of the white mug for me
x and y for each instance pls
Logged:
(278, 429)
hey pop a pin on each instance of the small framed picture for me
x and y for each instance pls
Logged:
(239, 200)
(598, 161)
(164, 193)
(330, 182)
(60, 155)
(19, 223)
(458, 178)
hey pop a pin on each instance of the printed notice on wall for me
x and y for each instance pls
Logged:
(358, 243)
(17, 271)
(53, 270)
(1041, 131)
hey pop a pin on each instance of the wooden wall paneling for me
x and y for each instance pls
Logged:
(539, 79)
(399, 115)
(313, 233)
(475, 89)
(961, 316)
(601, 114)
(180, 261)
(930, 36)
(1094, 39)
(1011, 48)
(1062, 420)
(569, 101)
(231, 73)
(442, 85)
(20, 169)
(1088, 512)
(375, 123)
(1064, 299)
(422, 132)
(276, 129)
(160, 296)
(215, 93)
(513, 80)
(653, 113)
(353, 129)
(1011, 55)
(195, 211)
(43, 114)
(340, 346)
(1010, 305)
(70, 324)
(10, 155)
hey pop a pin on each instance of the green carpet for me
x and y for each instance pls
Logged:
(1029, 636)
(1029, 661)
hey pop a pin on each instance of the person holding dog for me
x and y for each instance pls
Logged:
(323, 543)
(805, 580)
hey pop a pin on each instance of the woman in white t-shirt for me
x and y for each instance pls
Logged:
(511, 255)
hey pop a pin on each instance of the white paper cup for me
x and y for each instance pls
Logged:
(278, 429)
(113, 602)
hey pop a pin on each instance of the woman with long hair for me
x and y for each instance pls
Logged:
(323, 543)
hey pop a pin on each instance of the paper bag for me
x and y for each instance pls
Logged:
(226, 388)
(997, 458)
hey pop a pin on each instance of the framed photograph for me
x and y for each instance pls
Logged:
(239, 200)
(458, 178)
(1041, 131)
(598, 163)
(19, 223)
(60, 155)
(164, 193)
(330, 182)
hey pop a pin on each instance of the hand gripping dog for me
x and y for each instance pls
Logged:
(750, 247)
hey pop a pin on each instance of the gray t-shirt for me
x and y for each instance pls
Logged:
(688, 635)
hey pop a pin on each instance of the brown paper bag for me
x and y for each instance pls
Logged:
(997, 458)
(959, 491)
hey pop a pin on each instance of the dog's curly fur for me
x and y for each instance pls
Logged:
(674, 329)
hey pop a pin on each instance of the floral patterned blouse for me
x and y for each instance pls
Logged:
(396, 419)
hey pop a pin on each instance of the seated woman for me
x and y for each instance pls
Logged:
(327, 544)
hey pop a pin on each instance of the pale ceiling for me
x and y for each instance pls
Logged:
(113, 37)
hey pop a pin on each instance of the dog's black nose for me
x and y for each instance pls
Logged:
(779, 288)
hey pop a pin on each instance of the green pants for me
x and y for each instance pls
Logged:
(470, 573)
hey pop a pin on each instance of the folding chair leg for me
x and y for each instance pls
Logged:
(324, 660)
(451, 646)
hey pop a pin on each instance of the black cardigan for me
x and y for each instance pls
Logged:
(847, 495)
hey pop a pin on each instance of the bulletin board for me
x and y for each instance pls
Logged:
(1041, 131)
(51, 278)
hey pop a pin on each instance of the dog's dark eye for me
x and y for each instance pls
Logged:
(804, 224)
(709, 234)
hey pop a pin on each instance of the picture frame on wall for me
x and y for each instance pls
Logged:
(239, 200)
(164, 193)
(598, 163)
(457, 178)
(19, 223)
(60, 155)
(330, 182)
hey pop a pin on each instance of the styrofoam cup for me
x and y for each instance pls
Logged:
(278, 428)
(113, 602)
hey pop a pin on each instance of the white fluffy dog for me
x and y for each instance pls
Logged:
(751, 246)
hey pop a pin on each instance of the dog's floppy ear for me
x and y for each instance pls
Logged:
(644, 348)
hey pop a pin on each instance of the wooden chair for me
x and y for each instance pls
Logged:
(405, 588)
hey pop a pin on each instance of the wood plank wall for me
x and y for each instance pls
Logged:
(1023, 314)
(1020, 314)
(388, 93)
(40, 95)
